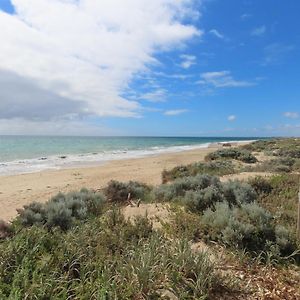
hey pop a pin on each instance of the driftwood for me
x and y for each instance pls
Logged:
(133, 203)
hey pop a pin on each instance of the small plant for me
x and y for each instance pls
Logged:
(34, 213)
(247, 227)
(237, 192)
(198, 201)
(119, 192)
(233, 153)
(261, 185)
(210, 168)
(62, 209)
(178, 188)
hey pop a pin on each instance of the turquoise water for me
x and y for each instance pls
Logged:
(33, 153)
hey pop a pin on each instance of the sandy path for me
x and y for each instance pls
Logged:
(18, 190)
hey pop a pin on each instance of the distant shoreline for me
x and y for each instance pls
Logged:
(69, 161)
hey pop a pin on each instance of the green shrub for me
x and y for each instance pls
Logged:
(219, 168)
(198, 201)
(290, 152)
(233, 153)
(62, 209)
(178, 188)
(34, 213)
(260, 145)
(237, 192)
(261, 185)
(247, 227)
(279, 165)
(203, 191)
(58, 214)
(118, 192)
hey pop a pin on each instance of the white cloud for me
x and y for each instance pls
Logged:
(259, 31)
(216, 33)
(158, 95)
(291, 115)
(187, 61)
(175, 112)
(222, 79)
(86, 52)
(231, 118)
(19, 126)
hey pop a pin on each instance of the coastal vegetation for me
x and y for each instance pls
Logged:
(223, 238)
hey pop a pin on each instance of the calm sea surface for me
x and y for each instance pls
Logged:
(22, 154)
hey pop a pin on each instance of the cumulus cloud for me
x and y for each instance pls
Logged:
(231, 118)
(291, 115)
(22, 98)
(77, 57)
(187, 61)
(222, 79)
(175, 112)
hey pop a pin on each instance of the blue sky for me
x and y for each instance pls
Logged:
(203, 68)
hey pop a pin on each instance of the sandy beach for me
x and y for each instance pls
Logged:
(18, 190)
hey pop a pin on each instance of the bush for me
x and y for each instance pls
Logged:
(58, 214)
(234, 153)
(290, 152)
(169, 192)
(118, 192)
(261, 185)
(203, 191)
(34, 213)
(260, 145)
(219, 168)
(279, 165)
(62, 209)
(199, 201)
(237, 192)
(247, 227)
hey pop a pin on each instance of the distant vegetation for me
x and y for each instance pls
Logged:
(80, 246)
(232, 153)
(218, 168)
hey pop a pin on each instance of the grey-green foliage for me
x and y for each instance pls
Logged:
(232, 153)
(203, 191)
(118, 192)
(211, 168)
(278, 165)
(237, 192)
(62, 209)
(247, 227)
(198, 201)
(178, 188)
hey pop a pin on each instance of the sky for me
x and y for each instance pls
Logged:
(150, 68)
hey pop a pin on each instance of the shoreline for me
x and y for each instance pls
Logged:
(86, 160)
(19, 190)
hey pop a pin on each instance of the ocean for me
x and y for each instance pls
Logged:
(26, 154)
